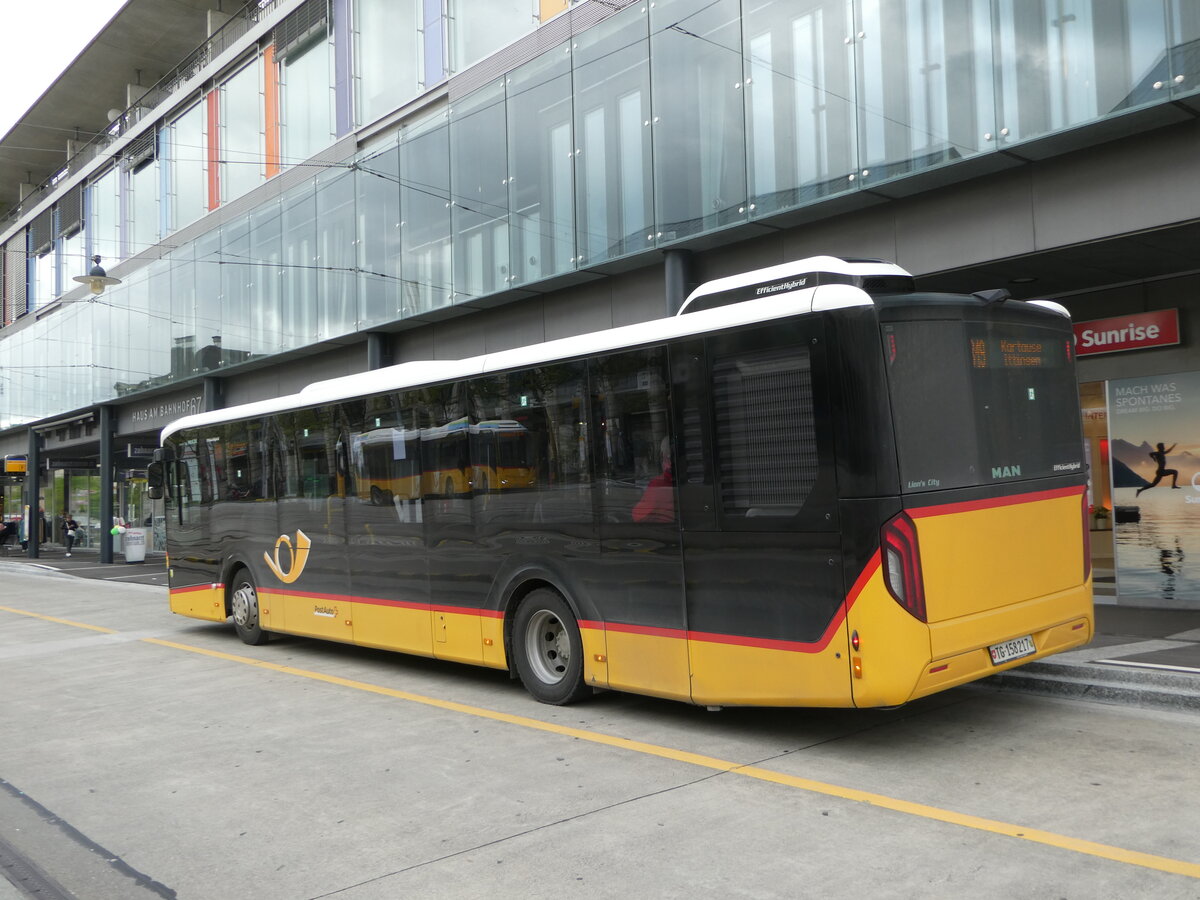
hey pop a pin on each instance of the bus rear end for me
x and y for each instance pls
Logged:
(986, 566)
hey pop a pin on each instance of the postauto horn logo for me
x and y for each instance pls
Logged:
(298, 554)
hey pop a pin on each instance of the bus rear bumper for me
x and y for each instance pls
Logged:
(1056, 623)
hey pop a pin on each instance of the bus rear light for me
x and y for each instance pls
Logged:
(855, 642)
(902, 565)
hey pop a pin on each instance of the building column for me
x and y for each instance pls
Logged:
(379, 350)
(33, 495)
(677, 271)
(108, 476)
(214, 394)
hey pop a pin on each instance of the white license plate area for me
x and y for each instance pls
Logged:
(1010, 650)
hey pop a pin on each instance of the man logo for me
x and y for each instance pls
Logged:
(298, 554)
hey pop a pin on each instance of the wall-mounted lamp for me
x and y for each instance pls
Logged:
(97, 279)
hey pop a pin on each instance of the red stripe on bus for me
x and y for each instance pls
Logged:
(308, 595)
(403, 604)
(860, 583)
(817, 646)
(648, 630)
(947, 509)
(469, 611)
(377, 601)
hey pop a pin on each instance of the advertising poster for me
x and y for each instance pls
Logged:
(1154, 429)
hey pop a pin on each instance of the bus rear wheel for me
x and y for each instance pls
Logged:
(548, 650)
(243, 604)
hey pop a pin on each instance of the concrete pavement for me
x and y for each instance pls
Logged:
(1140, 656)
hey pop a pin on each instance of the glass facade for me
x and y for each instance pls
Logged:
(477, 29)
(660, 123)
(186, 165)
(614, 187)
(425, 214)
(387, 41)
(306, 101)
(479, 192)
(104, 225)
(698, 120)
(541, 148)
(142, 208)
(242, 140)
(377, 200)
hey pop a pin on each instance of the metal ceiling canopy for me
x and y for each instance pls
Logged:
(147, 37)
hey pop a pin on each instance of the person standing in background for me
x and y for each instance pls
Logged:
(70, 529)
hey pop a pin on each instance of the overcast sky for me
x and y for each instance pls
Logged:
(41, 39)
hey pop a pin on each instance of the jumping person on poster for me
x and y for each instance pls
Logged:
(1160, 462)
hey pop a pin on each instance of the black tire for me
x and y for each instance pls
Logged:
(547, 649)
(243, 606)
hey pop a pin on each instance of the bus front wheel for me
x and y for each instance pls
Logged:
(548, 650)
(243, 604)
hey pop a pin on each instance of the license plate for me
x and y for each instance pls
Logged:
(1010, 650)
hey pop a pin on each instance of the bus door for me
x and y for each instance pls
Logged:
(307, 583)
(459, 567)
(195, 561)
(384, 521)
(762, 552)
(639, 588)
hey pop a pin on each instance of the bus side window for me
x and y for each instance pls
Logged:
(540, 446)
(310, 455)
(244, 471)
(184, 496)
(384, 456)
(767, 460)
(634, 456)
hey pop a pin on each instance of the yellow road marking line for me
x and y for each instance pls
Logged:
(22, 612)
(921, 810)
(1049, 838)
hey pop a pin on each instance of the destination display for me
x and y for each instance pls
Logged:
(998, 352)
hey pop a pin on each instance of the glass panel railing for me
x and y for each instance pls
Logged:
(426, 232)
(377, 188)
(800, 102)
(1183, 70)
(1066, 63)
(614, 181)
(924, 84)
(541, 154)
(698, 115)
(479, 173)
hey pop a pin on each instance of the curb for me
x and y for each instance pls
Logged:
(1127, 685)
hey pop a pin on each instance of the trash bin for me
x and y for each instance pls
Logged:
(135, 545)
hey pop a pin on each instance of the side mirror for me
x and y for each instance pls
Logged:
(156, 482)
(156, 475)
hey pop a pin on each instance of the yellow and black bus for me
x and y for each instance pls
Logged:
(814, 486)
